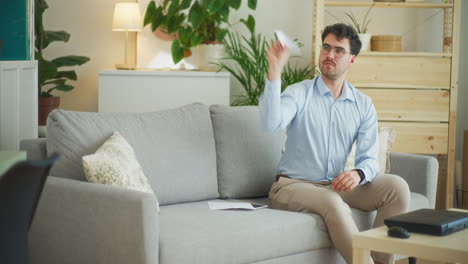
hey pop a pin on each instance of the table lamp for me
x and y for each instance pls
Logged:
(126, 18)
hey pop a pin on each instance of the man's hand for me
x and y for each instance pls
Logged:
(346, 181)
(277, 58)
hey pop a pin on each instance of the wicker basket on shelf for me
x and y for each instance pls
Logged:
(386, 43)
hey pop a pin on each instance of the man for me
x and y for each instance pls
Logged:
(323, 118)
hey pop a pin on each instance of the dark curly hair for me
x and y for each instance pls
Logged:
(341, 31)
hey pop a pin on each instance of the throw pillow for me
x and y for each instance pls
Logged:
(387, 137)
(115, 163)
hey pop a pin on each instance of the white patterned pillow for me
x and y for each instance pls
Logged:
(387, 137)
(115, 163)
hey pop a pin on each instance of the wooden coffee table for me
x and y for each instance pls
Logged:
(451, 248)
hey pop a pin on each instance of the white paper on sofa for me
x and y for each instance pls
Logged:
(224, 205)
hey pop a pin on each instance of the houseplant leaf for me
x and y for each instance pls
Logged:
(249, 23)
(173, 8)
(180, 20)
(51, 36)
(71, 75)
(196, 40)
(64, 88)
(224, 13)
(157, 19)
(196, 15)
(177, 51)
(185, 4)
(184, 35)
(48, 70)
(70, 60)
(252, 4)
(56, 82)
(215, 5)
(172, 25)
(235, 4)
(220, 34)
(149, 13)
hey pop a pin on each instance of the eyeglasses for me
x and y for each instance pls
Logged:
(339, 51)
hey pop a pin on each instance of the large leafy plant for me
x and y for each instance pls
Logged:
(51, 76)
(207, 21)
(247, 61)
(167, 15)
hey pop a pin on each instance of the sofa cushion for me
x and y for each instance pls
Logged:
(175, 147)
(240, 236)
(115, 163)
(247, 156)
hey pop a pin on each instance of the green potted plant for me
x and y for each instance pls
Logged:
(246, 60)
(210, 20)
(166, 17)
(51, 77)
(361, 28)
(207, 21)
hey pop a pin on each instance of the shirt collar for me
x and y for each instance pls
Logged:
(346, 93)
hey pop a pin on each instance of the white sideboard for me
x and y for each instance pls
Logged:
(18, 103)
(145, 91)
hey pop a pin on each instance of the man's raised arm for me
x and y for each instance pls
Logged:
(276, 111)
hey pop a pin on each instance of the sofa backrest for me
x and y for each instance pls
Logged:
(175, 148)
(247, 156)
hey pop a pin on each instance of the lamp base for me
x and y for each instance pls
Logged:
(125, 67)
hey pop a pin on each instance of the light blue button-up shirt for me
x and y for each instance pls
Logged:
(320, 129)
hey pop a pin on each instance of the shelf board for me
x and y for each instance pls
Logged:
(388, 4)
(406, 54)
(380, 85)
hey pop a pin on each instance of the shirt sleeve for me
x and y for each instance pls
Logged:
(367, 145)
(276, 109)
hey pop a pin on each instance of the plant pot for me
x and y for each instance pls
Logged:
(47, 105)
(209, 53)
(365, 40)
(162, 34)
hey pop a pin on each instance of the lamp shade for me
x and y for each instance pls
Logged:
(126, 17)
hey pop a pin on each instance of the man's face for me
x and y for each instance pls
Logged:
(331, 64)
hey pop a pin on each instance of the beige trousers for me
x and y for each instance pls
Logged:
(388, 194)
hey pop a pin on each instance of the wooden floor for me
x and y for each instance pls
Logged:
(419, 261)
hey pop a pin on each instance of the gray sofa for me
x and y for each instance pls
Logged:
(190, 155)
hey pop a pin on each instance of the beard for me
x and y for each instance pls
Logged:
(330, 71)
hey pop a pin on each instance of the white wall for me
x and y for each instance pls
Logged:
(90, 23)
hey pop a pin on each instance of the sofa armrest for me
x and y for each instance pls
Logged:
(419, 171)
(82, 222)
(35, 148)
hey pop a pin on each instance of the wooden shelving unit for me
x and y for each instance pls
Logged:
(406, 54)
(388, 4)
(414, 92)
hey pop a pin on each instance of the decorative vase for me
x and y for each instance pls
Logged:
(365, 40)
(208, 53)
(47, 105)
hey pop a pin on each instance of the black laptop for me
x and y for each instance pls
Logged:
(430, 221)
